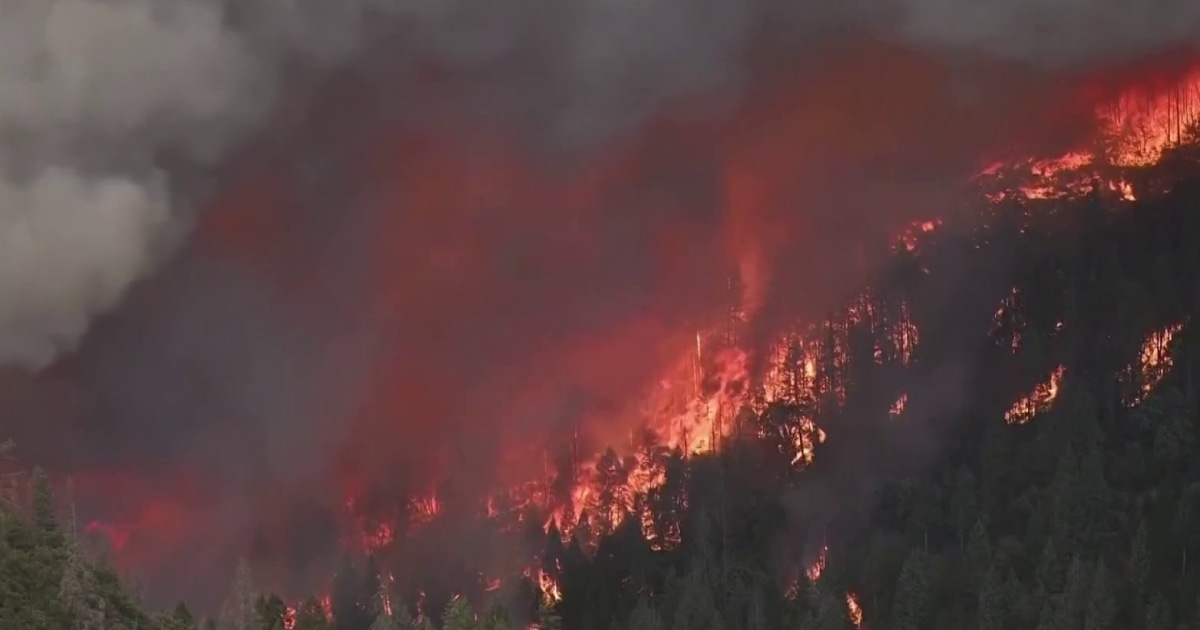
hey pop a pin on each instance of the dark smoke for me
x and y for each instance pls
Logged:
(424, 231)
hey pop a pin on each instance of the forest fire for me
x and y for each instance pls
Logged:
(1153, 364)
(1136, 130)
(854, 610)
(1038, 401)
(588, 319)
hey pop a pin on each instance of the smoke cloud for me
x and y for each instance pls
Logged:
(366, 244)
(98, 97)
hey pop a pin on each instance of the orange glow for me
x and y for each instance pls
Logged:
(1154, 362)
(815, 570)
(1038, 401)
(677, 364)
(424, 509)
(854, 610)
(1134, 130)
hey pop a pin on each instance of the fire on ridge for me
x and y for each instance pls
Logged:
(693, 406)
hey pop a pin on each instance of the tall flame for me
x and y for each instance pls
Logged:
(1038, 401)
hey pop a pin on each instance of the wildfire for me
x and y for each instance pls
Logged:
(694, 406)
(1038, 401)
(545, 583)
(424, 509)
(815, 569)
(1154, 362)
(854, 610)
(909, 239)
(1135, 131)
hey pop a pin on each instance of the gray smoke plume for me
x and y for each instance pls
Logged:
(107, 106)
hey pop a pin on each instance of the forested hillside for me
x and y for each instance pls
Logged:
(1079, 512)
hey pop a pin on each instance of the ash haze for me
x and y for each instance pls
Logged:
(374, 243)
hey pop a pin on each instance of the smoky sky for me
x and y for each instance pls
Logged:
(286, 248)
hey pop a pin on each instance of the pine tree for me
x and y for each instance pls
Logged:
(78, 592)
(1102, 606)
(44, 520)
(644, 617)
(182, 618)
(992, 601)
(548, 617)
(1159, 615)
(380, 605)
(311, 616)
(695, 609)
(496, 617)
(240, 611)
(831, 610)
(458, 615)
(1050, 569)
(910, 607)
(1139, 560)
(271, 611)
(979, 552)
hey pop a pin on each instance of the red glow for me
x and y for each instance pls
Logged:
(499, 334)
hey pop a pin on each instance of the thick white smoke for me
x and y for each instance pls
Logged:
(92, 96)
(97, 96)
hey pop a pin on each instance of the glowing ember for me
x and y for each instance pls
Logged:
(897, 407)
(1154, 362)
(818, 566)
(424, 509)
(854, 610)
(909, 239)
(1038, 401)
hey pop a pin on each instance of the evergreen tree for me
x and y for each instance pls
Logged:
(240, 611)
(1050, 571)
(992, 601)
(79, 594)
(911, 606)
(1139, 560)
(181, 618)
(644, 617)
(496, 617)
(44, 520)
(1101, 608)
(458, 615)
(695, 608)
(548, 617)
(311, 616)
(1159, 615)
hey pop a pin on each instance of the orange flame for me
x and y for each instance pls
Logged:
(1136, 130)
(854, 610)
(1154, 362)
(1038, 401)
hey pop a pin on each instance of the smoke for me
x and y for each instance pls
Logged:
(95, 97)
(372, 244)
(98, 97)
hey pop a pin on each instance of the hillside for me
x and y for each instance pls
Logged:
(1029, 463)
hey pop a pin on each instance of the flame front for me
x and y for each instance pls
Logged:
(1154, 363)
(1040, 400)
